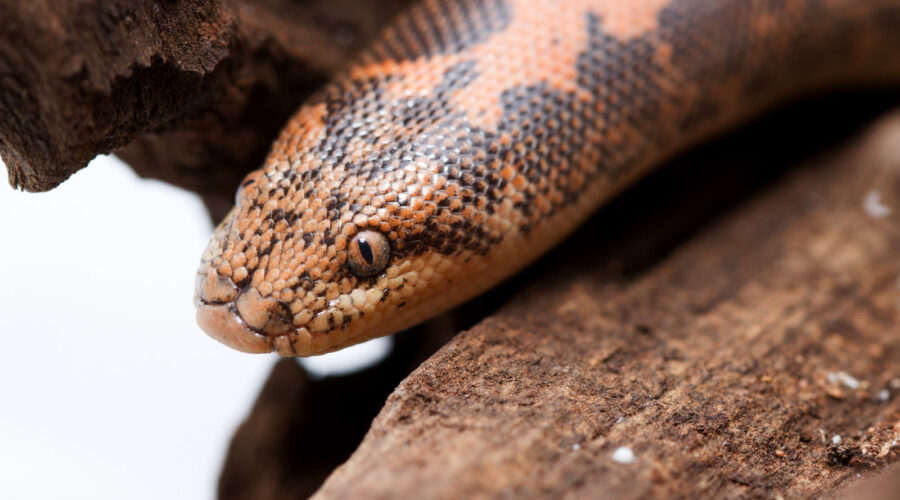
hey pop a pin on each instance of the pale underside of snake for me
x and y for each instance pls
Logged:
(473, 135)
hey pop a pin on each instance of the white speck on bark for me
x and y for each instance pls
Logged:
(623, 455)
(848, 381)
(874, 207)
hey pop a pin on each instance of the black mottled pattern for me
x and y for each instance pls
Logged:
(440, 27)
(720, 66)
(721, 50)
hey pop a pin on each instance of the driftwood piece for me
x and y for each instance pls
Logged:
(201, 85)
(301, 427)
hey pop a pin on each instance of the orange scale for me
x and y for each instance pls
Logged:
(239, 274)
(360, 220)
(340, 242)
(224, 269)
(257, 277)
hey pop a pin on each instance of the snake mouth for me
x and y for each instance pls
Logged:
(240, 319)
(244, 320)
(221, 322)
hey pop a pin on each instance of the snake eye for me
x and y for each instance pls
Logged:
(368, 254)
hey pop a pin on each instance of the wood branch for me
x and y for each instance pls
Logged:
(301, 427)
(196, 89)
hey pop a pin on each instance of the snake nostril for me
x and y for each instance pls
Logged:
(262, 314)
(214, 289)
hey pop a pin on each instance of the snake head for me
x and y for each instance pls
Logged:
(304, 271)
(318, 255)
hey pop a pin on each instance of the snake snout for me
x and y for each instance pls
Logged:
(241, 319)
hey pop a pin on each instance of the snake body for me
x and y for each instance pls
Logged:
(473, 135)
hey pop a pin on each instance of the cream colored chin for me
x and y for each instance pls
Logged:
(220, 323)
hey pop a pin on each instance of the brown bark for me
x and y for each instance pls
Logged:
(196, 89)
(301, 428)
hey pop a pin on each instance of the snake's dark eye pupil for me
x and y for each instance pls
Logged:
(366, 251)
(368, 254)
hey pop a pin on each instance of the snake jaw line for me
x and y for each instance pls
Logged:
(222, 324)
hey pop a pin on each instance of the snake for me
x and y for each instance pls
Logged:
(471, 136)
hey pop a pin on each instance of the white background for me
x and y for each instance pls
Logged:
(107, 387)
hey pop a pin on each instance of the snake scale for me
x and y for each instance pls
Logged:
(473, 135)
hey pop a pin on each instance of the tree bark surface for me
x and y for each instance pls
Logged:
(191, 91)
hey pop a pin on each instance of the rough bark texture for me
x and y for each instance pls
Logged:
(290, 442)
(724, 320)
(196, 88)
